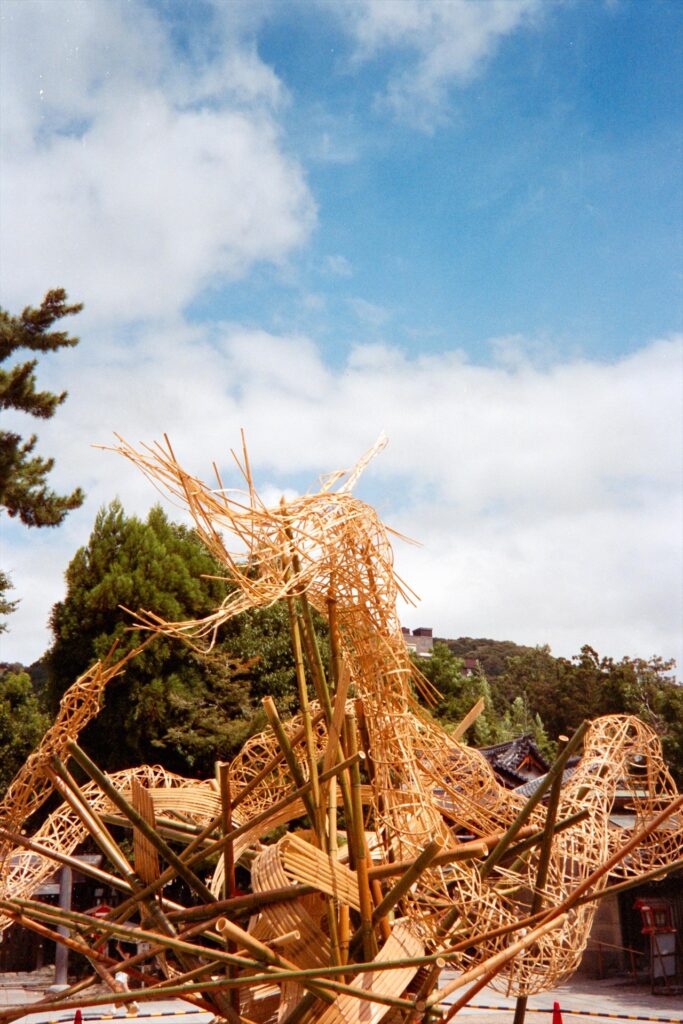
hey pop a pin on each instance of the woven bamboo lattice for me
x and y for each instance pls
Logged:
(348, 925)
(333, 548)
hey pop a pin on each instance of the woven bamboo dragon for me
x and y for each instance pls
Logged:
(426, 793)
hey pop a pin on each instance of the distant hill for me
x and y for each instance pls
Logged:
(491, 654)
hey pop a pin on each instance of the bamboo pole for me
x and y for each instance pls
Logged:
(64, 858)
(423, 861)
(536, 837)
(71, 793)
(228, 863)
(543, 865)
(290, 757)
(358, 838)
(317, 820)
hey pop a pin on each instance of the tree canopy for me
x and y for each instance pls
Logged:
(24, 491)
(22, 722)
(564, 691)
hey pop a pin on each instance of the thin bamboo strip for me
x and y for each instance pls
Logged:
(146, 858)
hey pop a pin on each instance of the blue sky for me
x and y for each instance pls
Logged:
(458, 222)
(543, 198)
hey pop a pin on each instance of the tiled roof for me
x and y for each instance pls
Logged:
(510, 755)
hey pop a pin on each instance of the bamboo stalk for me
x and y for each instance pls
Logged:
(517, 849)
(629, 883)
(542, 870)
(70, 791)
(260, 951)
(358, 838)
(167, 832)
(304, 706)
(290, 757)
(335, 650)
(64, 858)
(128, 933)
(424, 859)
(466, 851)
(228, 864)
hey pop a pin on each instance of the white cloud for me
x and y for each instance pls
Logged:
(370, 313)
(547, 500)
(130, 177)
(339, 265)
(449, 43)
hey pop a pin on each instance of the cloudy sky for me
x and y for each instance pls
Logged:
(457, 222)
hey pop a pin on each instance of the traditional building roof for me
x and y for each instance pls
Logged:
(516, 762)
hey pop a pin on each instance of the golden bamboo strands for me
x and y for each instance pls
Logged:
(497, 960)
(295, 633)
(557, 768)
(330, 554)
(274, 761)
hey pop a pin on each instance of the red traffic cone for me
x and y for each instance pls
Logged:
(557, 1014)
(78, 1017)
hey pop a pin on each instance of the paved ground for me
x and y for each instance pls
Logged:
(580, 1000)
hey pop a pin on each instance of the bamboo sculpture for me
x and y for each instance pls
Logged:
(414, 856)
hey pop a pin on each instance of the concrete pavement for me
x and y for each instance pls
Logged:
(580, 999)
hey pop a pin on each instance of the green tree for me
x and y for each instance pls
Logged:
(491, 655)
(548, 686)
(22, 723)
(521, 721)
(154, 565)
(23, 475)
(6, 606)
(460, 692)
